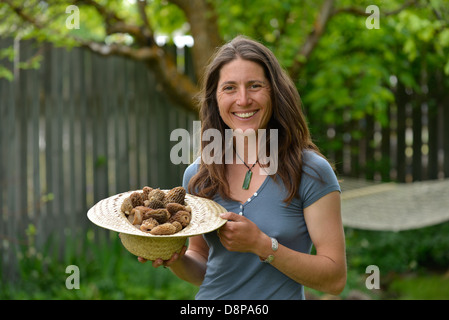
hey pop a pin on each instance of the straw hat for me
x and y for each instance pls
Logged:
(205, 218)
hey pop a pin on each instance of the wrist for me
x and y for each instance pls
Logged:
(268, 247)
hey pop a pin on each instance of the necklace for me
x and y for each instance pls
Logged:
(248, 174)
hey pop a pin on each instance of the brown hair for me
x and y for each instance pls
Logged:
(287, 118)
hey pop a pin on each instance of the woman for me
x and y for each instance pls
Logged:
(263, 250)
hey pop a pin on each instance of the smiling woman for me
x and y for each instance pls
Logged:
(243, 95)
(272, 217)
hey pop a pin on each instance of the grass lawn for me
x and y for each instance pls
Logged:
(421, 287)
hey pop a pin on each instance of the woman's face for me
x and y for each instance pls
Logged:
(243, 95)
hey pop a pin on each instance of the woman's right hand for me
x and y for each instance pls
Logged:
(189, 264)
(166, 263)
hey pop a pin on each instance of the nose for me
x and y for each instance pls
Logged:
(243, 98)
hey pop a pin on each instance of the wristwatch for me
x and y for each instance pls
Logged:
(274, 247)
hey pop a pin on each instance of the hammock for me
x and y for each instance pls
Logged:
(394, 206)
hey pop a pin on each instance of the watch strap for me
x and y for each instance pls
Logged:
(274, 247)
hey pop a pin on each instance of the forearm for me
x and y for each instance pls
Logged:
(313, 271)
(325, 271)
(319, 272)
(191, 267)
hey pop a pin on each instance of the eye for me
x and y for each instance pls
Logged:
(255, 86)
(227, 88)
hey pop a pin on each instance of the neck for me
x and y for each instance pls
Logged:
(246, 148)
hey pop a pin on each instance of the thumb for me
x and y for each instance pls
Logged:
(231, 216)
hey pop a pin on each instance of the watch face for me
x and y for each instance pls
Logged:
(274, 244)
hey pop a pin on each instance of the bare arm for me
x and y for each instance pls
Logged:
(189, 264)
(325, 271)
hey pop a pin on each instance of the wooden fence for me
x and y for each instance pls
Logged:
(80, 128)
(413, 145)
(84, 127)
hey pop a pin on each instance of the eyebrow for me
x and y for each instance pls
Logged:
(248, 82)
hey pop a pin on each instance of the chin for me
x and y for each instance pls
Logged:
(246, 130)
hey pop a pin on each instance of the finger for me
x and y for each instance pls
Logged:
(183, 251)
(231, 216)
(173, 258)
(176, 256)
(157, 263)
(141, 260)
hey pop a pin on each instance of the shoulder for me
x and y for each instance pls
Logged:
(190, 171)
(315, 165)
(318, 178)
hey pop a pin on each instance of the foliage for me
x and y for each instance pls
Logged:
(421, 287)
(357, 73)
(349, 74)
(107, 271)
(412, 250)
(353, 72)
(355, 69)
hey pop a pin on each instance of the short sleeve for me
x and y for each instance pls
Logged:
(190, 171)
(318, 179)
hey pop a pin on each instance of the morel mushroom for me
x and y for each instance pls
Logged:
(183, 217)
(148, 225)
(160, 215)
(163, 229)
(127, 206)
(176, 195)
(174, 207)
(136, 199)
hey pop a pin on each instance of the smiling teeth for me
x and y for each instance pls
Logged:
(245, 115)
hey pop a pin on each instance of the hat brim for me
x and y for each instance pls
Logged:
(205, 216)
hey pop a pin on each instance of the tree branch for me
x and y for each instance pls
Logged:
(204, 28)
(114, 24)
(19, 11)
(107, 14)
(147, 31)
(327, 12)
(362, 12)
(141, 5)
(178, 87)
(312, 39)
(138, 54)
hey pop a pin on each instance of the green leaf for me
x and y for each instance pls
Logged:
(446, 68)
(6, 73)
(7, 53)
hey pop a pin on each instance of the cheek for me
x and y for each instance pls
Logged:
(268, 111)
(265, 100)
(223, 103)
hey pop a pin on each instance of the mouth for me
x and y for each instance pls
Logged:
(245, 115)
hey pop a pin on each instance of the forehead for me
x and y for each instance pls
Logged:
(240, 70)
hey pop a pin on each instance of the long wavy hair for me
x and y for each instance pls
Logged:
(287, 117)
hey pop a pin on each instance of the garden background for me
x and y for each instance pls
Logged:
(87, 108)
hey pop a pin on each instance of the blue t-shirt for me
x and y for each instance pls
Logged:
(242, 276)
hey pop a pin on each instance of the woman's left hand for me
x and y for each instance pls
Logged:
(241, 234)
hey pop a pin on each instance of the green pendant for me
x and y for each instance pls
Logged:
(247, 180)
